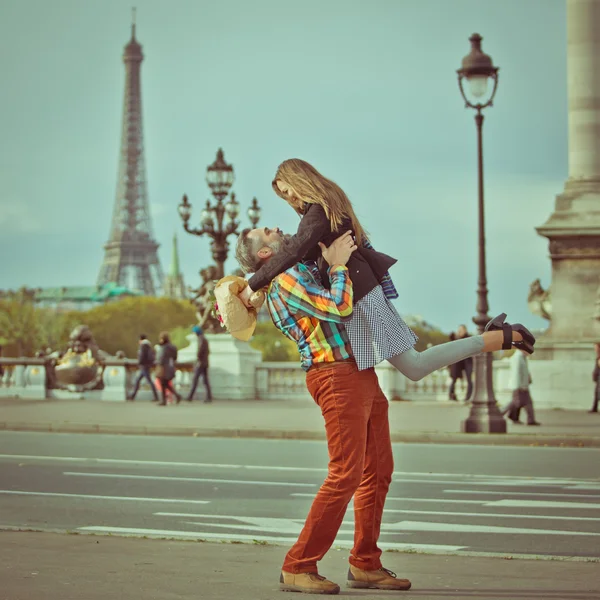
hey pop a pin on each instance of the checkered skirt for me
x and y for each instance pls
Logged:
(376, 331)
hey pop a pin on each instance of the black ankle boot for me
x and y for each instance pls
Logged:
(498, 324)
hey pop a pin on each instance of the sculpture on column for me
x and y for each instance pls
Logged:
(81, 367)
(203, 301)
(539, 300)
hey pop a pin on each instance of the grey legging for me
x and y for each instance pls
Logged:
(416, 365)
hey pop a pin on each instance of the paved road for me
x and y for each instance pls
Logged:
(460, 499)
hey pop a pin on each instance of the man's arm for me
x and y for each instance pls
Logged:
(310, 299)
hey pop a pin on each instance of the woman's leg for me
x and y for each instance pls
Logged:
(163, 391)
(416, 365)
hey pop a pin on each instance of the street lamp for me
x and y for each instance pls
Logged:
(476, 74)
(219, 177)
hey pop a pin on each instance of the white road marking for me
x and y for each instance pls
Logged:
(94, 497)
(438, 500)
(258, 538)
(264, 525)
(466, 514)
(468, 528)
(294, 529)
(507, 479)
(159, 463)
(480, 492)
(190, 479)
(516, 503)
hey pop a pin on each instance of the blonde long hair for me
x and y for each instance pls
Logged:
(313, 188)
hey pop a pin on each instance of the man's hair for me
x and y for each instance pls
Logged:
(246, 250)
(163, 338)
(143, 336)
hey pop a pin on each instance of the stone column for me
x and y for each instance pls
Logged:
(573, 229)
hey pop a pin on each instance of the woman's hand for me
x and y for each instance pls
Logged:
(340, 250)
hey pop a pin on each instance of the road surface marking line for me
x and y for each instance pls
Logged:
(190, 479)
(263, 538)
(468, 528)
(466, 514)
(439, 500)
(516, 503)
(508, 493)
(387, 510)
(94, 497)
(119, 461)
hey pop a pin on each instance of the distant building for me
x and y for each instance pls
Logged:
(80, 297)
(174, 287)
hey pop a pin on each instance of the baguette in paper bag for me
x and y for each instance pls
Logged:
(238, 319)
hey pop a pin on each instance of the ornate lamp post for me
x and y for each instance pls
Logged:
(478, 72)
(219, 177)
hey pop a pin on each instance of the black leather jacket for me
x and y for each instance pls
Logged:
(366, 266)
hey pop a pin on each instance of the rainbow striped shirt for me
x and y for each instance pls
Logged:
(303, 310)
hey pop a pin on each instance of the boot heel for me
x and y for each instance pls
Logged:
(496, 323)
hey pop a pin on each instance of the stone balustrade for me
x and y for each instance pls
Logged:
(231, 378)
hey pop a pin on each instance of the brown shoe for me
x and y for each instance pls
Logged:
(309, 583)
(382, 579)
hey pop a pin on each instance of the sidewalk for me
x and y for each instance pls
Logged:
(38, 566)
(416, 422)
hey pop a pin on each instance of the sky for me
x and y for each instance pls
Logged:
(365, 90)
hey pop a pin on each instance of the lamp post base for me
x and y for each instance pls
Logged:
(484, 416)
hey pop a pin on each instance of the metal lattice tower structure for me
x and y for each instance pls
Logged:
(131, 257)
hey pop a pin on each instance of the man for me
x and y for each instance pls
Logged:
(353, 406)
(201, 368)
(519, 382)
(146, 358)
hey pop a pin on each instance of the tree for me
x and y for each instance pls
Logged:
(117, 325)
(179, 335)
(19, 330)
(273, 345)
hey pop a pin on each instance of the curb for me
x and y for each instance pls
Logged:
(412, 437)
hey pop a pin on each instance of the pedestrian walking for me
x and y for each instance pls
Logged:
(461, 367)
(146, 357)
(201, 367)
(596, 378)
(519, 382)
(165, 367)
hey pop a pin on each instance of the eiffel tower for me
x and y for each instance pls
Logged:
(130, 257)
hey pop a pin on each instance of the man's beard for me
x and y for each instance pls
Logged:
(276, 245)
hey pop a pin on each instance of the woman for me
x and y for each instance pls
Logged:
(596, 377)
(375, 330)
(165, 369)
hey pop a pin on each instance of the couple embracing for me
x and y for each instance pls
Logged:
(329, 291)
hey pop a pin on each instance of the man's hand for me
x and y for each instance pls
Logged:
(245, 294)
(340, 250)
